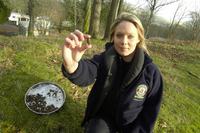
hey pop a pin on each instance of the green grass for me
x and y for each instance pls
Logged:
(25, 61)
(1, 31)
(179, 64)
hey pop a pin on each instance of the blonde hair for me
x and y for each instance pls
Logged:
(133, 19)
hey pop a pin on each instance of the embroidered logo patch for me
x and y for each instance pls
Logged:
(141, 91)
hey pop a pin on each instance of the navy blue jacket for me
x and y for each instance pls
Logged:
(139, 104)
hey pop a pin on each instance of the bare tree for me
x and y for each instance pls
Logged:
(132, 8)
(154, 6)
(111, 16)
(43, 10)
(19, 6)
(95, 19)
(58, 15)
(194, 25)
(175, 23)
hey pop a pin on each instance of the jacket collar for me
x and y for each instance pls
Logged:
(108, 45)
(135, 68)
(147, 58)
(140, 61)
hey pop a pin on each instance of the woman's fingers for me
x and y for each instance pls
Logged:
(87, 36)
(85, 47)
(75, 39)
(80, 35)
(68, 42)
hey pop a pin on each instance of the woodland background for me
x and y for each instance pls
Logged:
(95, 16)
(25, 61)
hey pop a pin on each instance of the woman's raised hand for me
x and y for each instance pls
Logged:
(73, 50)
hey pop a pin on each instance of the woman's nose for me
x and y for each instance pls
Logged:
(124, 40)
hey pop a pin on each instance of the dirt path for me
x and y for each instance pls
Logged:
(9, 26)
(8, 29)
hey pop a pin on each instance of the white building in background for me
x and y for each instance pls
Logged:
(23, 29)
(13, 17)
(41, 26)
(17, 17)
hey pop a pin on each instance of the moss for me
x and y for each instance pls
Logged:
(30, 33)
(9, 128)
(52, 127)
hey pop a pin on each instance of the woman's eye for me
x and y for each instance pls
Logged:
(119, 35)
(130, 37)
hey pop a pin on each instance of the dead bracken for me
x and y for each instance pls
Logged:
(37, 103)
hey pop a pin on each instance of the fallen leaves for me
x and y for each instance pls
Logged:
(8, 63)
(164, 124)
(54, 61)
(77, 94)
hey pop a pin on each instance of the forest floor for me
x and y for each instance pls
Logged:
(25, 61)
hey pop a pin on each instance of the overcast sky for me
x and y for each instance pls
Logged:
(169, 10)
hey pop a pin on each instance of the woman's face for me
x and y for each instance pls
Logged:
(126, 40)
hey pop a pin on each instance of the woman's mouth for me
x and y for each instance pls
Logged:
(123, 49)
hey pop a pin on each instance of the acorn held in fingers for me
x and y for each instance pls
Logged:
(88, 41)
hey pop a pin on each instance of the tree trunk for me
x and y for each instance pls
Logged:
(74, 14)
(152, 5)
(120, 10)
(95, 19)
(111, 17)
(32, 16)
(148, 25)
(87, 16)
(60, 27)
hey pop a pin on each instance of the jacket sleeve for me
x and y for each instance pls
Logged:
(147, 118)
(86, 72)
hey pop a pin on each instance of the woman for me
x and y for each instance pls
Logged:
(128, 88)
